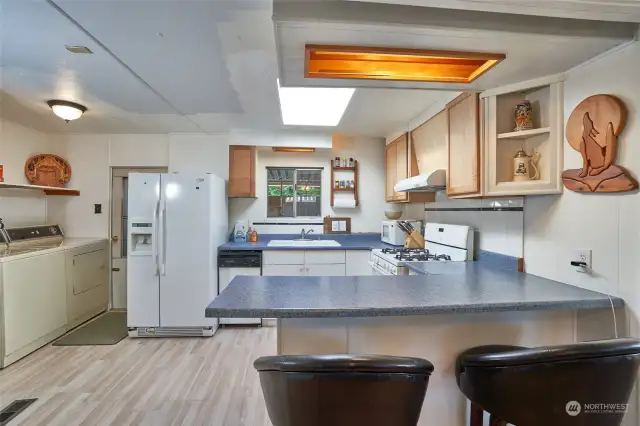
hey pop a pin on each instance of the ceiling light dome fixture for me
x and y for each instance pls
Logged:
(67, 110)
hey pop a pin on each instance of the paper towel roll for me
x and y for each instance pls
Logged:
(344, 204)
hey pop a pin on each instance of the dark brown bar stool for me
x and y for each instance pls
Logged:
(549, 385)
(343, 390)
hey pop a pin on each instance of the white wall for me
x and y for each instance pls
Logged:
(93, 156)
(495, 231)
(371, 158)
(17, 144)
(609, 225)
(199, 154)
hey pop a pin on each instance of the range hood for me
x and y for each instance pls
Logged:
(429, 182)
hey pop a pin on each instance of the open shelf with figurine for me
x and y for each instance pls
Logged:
(536, 150)
(344, 184)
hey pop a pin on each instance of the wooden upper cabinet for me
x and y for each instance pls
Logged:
(402, 165)
(242, 171)
(463, 146)
(391, 165)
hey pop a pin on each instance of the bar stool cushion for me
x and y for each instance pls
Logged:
(344, 363)
(504, 356)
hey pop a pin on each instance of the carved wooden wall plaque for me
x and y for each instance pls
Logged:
(593, 130)
(47, 170)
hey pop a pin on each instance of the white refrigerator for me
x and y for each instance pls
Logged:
(175, 224)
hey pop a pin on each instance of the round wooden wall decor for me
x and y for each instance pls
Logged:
(592, 130)
(47, 170)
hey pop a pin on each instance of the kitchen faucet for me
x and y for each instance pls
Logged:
(304, 235)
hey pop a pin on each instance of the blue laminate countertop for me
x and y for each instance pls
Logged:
(347, 242)
(455, 287)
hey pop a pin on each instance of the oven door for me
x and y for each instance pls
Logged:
(376, 270)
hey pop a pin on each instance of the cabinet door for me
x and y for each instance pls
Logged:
(330, 270)
(283, 270)
(358, 263)
(391, 170)
(402, 165)
(463, 146)
(242, 165)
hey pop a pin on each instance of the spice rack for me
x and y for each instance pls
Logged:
(349, 169)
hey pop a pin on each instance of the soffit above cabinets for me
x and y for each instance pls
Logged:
(602, 10)
(534, 46)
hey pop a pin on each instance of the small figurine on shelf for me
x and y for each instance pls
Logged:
(337, 184)
(342, 184)
(337, 162)
(344, 162)
(351, 162)
(523, 116)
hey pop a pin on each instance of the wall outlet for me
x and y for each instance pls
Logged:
(582, 256)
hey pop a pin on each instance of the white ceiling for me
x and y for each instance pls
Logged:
(534, 46)
(160, 67)
(193, 66)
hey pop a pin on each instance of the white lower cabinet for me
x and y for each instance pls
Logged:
(358, 263)
(327, 270)
(316, 263)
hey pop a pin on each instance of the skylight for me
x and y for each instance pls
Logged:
(313, 106)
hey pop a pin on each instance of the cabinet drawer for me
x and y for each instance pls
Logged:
(314, 257)
(290, 257)
(326, 270)
(283, 270)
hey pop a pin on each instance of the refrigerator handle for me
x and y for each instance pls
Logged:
(163, 225)
(155, 238)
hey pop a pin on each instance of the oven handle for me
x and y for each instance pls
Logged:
(377, 268)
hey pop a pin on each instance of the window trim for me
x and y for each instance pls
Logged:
(295, 217)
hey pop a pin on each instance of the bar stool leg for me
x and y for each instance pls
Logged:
(494, 421)
(476, 416)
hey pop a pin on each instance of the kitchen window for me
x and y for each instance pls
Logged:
(294, 192)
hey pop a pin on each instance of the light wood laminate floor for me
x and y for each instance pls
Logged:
(155, 382)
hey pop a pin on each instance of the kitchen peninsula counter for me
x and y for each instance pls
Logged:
(451, 287)
(451, 307)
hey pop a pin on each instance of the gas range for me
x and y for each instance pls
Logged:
(443, 243)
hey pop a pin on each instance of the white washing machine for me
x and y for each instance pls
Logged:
(47, 286)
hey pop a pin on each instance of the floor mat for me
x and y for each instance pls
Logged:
(107, 329)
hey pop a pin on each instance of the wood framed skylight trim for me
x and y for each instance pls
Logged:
(398, 64)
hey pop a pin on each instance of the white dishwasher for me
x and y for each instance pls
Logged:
(232, 263)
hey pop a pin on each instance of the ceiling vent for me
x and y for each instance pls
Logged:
(83, 50)
(387, 63)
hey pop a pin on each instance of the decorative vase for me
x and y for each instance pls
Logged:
(524, 116)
